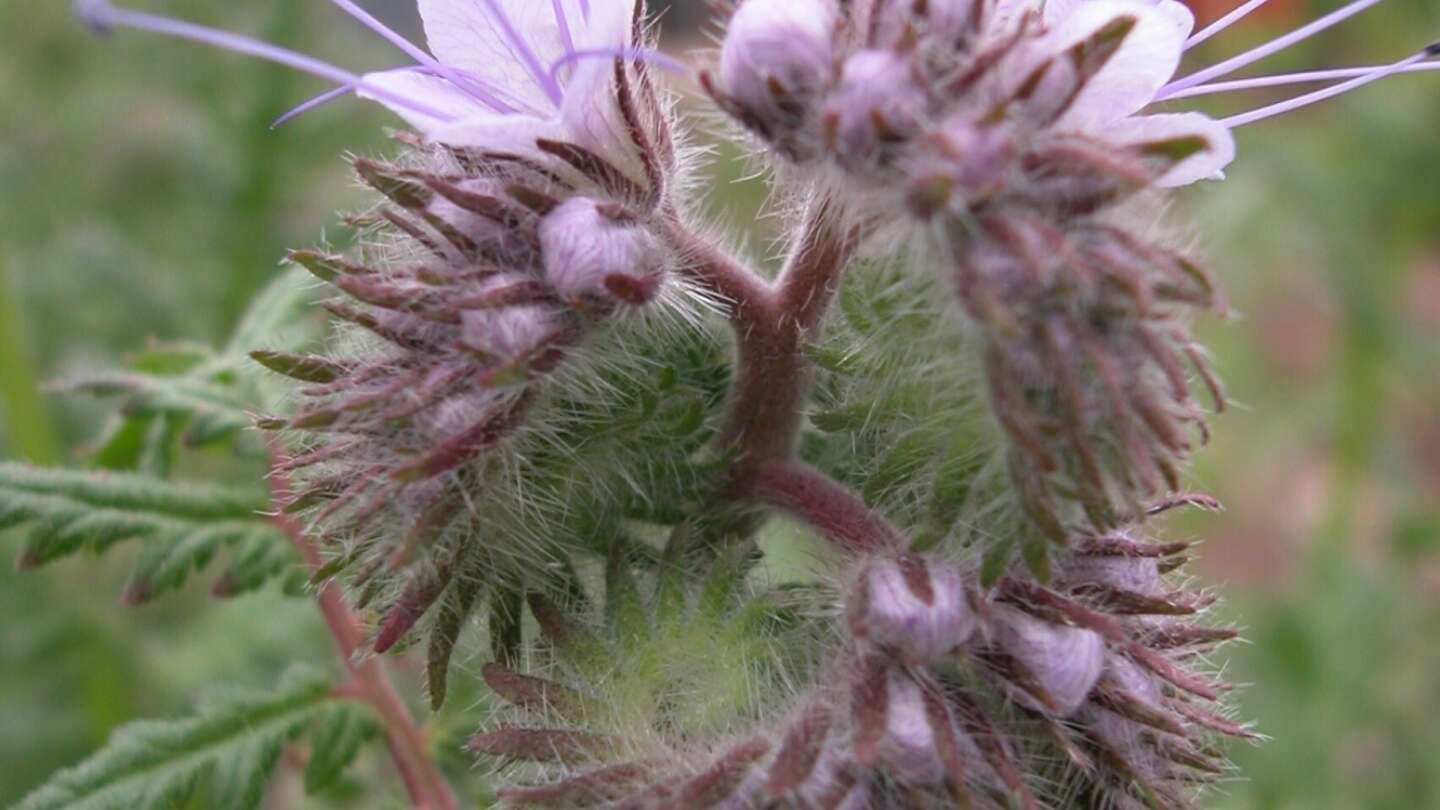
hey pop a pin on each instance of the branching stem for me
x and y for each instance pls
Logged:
(825, 505)
(772, 322)
(424, 783)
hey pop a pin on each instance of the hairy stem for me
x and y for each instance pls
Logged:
(424, 783)
(750, 296)
(772, 322)
(825, 505)
(773, 377)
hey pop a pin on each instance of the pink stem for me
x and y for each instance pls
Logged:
(772, 323)
(773, 376)
(426, 786)
(824, 504)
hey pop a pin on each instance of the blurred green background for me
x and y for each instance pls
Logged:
(143, 196)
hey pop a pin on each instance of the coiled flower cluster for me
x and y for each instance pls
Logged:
(1081, 693)
(483, 278)
(1010, 137)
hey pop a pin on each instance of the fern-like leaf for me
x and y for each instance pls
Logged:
(183, 526)
(229, 748)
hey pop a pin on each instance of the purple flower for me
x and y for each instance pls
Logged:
(499, 74)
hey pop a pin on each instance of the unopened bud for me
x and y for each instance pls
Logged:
(1125, 736)
(909, 746)
(945, 22)
(506, 334)
(975, 156)
(918, 608)
(1137, 574)
(830, 778)
(1058, 664)
(879, 99)
(777, 55)
(473, 207)
(589, 254)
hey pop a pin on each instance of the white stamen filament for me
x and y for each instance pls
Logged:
(1284, 79)
(102, 15)
(1233, 64)
(1306, 100)
(318, 101)
(1224, 22)
(639, 54)
(563, 24)
(463, 83)
(522, 51)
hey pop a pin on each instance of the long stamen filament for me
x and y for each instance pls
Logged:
(451, 75)
(1233, 64)
(647, 55)
(318, 101)
(564, 25)
(102, 16)
(1224, 22)
(525, 53)
(1329, 92)
(1284, 79)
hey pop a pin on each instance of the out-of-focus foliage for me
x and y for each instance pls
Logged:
(143, 197)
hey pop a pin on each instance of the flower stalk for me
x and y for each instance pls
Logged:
(425, 785)
(772, 321)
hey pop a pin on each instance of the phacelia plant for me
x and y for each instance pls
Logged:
(528, 429)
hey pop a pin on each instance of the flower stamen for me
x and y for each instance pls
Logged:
(318, 101)
(1330, 92)
(1284, 79)
(522, 51)
(103, 17)
(647, 55)
(564, 26)
(461, 82)
(1223, 23)
(1276, 45)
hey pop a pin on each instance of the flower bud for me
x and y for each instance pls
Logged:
(831, 778)
(1126, 737)
(944, 22)
(777, 55)
(507, 334)
(1137, 574)
(918, 608)
(1057, 665)
(961, 159)
(589, 253)
(878, 100)
(480, 229)
(909, 747)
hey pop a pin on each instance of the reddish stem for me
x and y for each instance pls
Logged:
(824, 504)
(812, 276)
(749, 294)
(773, 378)
(426, 786)
(772, 322)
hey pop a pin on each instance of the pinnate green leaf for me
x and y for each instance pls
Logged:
(182, 526)
(228, 749)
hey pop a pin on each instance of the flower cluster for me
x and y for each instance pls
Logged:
(935, 689)
(535, 212)
(1017, 137)
(511, 235)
